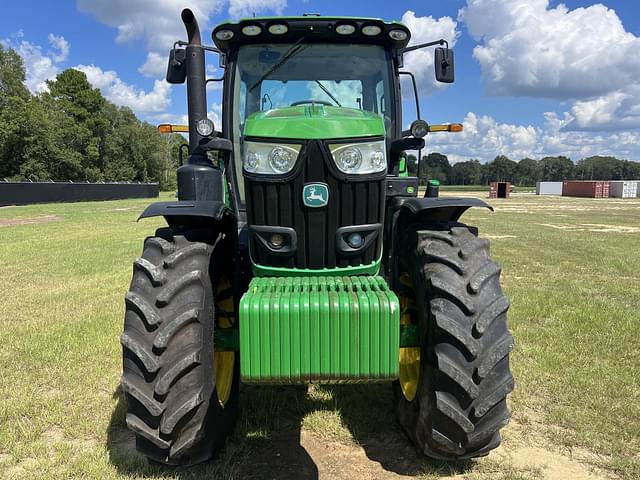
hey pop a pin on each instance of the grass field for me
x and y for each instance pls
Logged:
(481, 188)
(571, 268)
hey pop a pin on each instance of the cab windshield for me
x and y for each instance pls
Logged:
(276, 76)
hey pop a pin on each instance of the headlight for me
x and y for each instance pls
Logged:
(269, 158)
(360, 158)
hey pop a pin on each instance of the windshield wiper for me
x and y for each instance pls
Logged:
(294, 49)
(325, 90)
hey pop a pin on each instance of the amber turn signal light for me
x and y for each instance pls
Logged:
(168, 128)
(451, 127)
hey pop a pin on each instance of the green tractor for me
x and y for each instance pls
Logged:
(299, 251)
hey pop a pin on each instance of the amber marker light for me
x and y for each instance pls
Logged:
(168, 128)
(451, 127)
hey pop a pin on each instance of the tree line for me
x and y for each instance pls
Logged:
(71, 132)
(527, 171)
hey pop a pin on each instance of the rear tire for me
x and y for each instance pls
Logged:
(457, 407)
(168, 370)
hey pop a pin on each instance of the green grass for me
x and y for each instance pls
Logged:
(481, 188)
(575, 300)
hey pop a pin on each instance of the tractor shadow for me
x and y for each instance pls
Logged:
(367, 412)
(267, 443)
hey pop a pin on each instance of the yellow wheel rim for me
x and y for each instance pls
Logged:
(409, 357)
(224, 362)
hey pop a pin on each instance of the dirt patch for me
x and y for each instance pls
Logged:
(54, 434)
(24, 466)
(597, 227)
(302, 455)
(553, 465)
(11, 222)
(592, 227)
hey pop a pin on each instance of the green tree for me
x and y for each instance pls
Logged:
(527, 172)
(501, 169)
(555, 169)
(435, 166)
(602, 168)
(12, 77)
(630, 170)
(73, 133)
(466, 173)
(71, 95)
(412, 165)
(14, 108)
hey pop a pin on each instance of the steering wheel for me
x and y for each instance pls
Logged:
(319, 102)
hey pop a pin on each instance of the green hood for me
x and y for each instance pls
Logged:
(314, 122)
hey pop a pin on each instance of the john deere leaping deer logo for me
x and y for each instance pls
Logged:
(315, 195)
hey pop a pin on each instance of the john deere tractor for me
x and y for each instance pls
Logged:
(300, 252)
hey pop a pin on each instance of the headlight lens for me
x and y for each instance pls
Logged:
(269, 158)
(360, 158)
(349, 159)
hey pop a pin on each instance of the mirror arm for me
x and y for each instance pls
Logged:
(440, 42)
(415, 91)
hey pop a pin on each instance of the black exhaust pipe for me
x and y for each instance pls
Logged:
(191, 24)
(196, 80)
(199, 179)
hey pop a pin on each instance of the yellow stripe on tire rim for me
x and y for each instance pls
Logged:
(224, 362)
(409, 374)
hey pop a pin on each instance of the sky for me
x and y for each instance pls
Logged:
(533, 77)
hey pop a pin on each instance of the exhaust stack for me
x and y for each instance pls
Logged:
(191, 24)
(196, 84)
(198, 180)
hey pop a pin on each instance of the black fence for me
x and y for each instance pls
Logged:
(24, 193)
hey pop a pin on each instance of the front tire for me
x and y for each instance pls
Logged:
(451, 397)
(173, 405)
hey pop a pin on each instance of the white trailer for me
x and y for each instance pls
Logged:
(548, 188)
(623, 188)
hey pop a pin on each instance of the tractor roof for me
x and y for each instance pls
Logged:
(309, 29)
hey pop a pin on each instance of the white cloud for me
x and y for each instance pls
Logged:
(121, 93)
(583, 55)
(246, 8)
(172, 118)
(484, 138)
(39, 66)
(420, 62)
(619, 109)
(155, 66)
(215, 114)
(60, 44)
(156, 23)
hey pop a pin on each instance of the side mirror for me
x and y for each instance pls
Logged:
(444, 65)
(177, 67)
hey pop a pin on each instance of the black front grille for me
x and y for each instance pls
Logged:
(278, 202)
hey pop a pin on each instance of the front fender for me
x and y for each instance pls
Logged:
(447, 209)
(182, 211)
(428, 211)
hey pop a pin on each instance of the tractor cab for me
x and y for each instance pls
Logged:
(299, 250)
